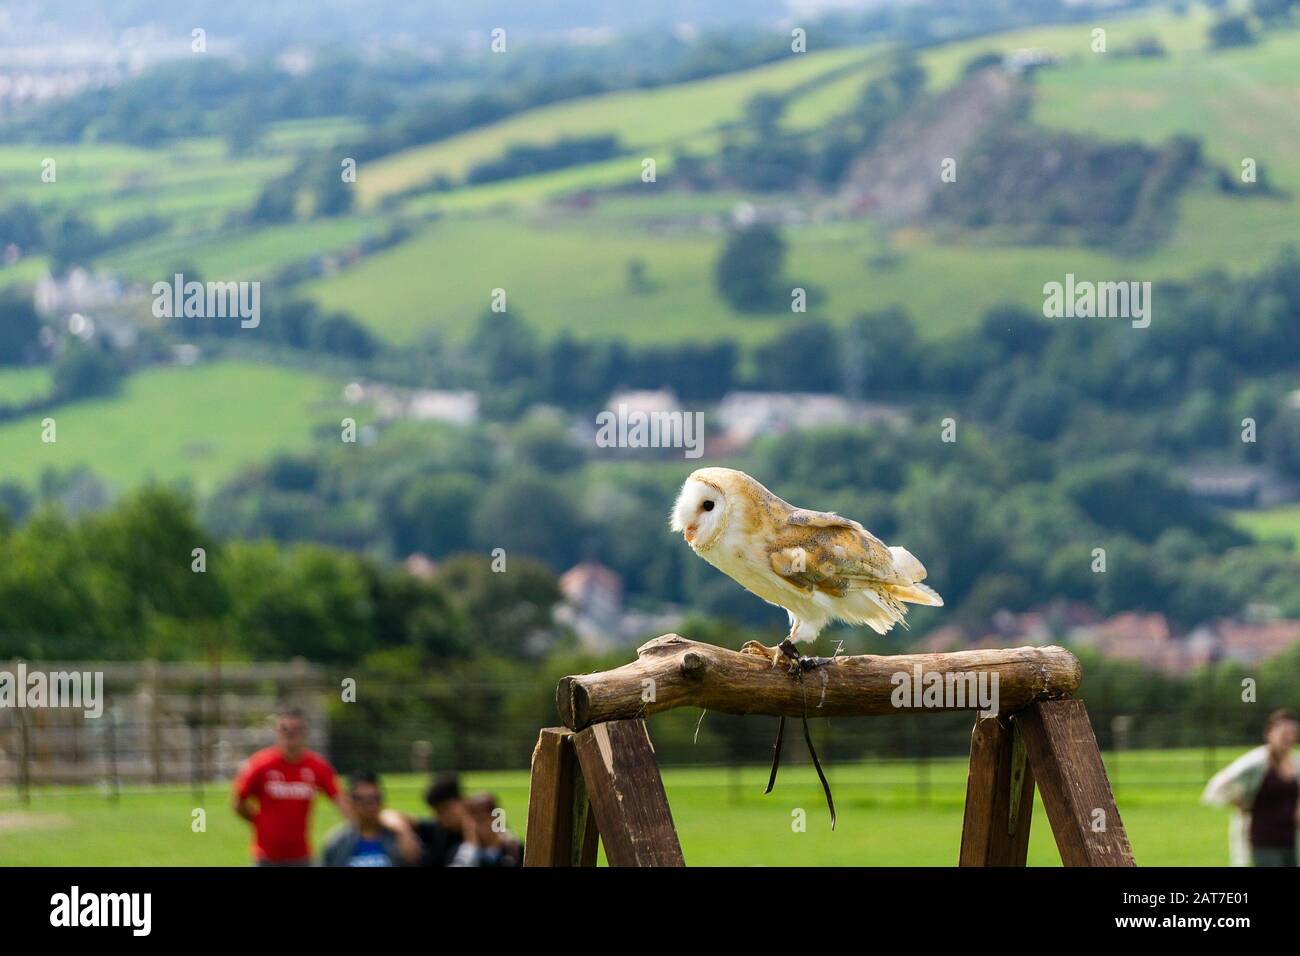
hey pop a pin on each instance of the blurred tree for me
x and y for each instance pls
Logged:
(1230, 31)
(1282, 442)
(503, 608)
(431, 514)
(528, 516)
(804, 358)
(305, 600)
(20, 327)
(85, 370)
(543, 443)
(748, 272)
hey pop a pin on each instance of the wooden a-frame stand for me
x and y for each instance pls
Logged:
(597, 778)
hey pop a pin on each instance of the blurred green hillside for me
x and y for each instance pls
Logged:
(534, 183)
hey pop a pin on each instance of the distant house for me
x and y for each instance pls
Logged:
(636, 421)
(186, 353)
(744, 416)
(1140, 637)
(1143, 638)
(593, 588)
(1147, 639)
(1047, 625)
(593, 604)
(779, 214)
(592, 607)
(419, 566)
(456, 408)
(1239, 486)
(78, 291)
(1248, 642)
(646, 400)
(391, 403)
(90, 306)
(1027, 59)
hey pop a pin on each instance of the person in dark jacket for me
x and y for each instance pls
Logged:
(377, 837)
(441, 836)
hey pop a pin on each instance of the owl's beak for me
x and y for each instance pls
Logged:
(689, 533)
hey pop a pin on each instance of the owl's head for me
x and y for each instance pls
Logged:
(705, 503)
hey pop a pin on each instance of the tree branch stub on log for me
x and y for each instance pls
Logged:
(671, 671)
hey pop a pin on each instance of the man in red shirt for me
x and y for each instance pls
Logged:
(274, 790)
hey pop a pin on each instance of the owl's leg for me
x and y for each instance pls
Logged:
(799, 663)
(786, 649)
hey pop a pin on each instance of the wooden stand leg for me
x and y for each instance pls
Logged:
(561, 827)
(999, 798)
(1066, 762)
(627, 794)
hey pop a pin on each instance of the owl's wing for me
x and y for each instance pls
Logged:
(820, 519)
(817, 550)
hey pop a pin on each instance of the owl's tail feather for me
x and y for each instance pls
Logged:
(906, 564)
(912, 572)
(916, 594)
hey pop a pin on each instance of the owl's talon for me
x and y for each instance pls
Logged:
(795, 666)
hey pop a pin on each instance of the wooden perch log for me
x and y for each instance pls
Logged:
(671, 671)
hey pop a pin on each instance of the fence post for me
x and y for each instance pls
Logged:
(195, 722)
(114, 784)
(24, 763)
(211, 706)
(152, 690)
(922, 765)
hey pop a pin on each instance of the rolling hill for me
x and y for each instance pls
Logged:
(200, 423)
(492, 235)
(565, 262)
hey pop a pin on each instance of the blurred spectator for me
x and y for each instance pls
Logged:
(274, 790)
(1261, 786)
(441, 836)
(485, 839)
(377, 836)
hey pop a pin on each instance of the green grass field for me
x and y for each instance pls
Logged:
(236, 254)
(1271, 524)
(645, 119)
(1242, 102)
(569, 271)
(1072, 42)
(24, 272)
(192, 184)
(722, 816)
(19, 385)
(202, 422)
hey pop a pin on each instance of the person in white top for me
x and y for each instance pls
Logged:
(1261, 788)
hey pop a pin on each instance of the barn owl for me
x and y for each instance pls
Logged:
(818, 566)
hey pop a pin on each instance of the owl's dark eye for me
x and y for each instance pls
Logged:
(708, 505)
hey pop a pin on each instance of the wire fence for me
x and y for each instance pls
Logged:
(156, 724)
